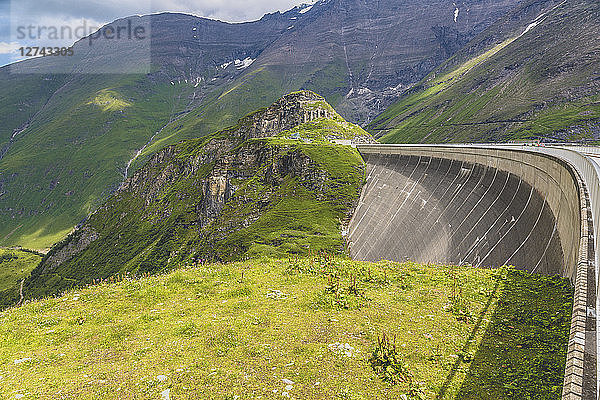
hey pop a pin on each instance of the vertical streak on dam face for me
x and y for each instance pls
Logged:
(428, 209)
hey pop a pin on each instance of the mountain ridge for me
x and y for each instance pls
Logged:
(532, 76)
(277, 183)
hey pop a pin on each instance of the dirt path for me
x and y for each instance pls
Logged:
(21, 292)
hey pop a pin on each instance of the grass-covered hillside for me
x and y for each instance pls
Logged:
(68, 129)
(277, 183)
(74, 147)
(309, 328)
(534, 74)
(16, 265)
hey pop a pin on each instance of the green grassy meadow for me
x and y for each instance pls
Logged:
(16, 265)
(303, 328)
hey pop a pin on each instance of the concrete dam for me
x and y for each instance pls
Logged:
(488, 206)
(434, 210)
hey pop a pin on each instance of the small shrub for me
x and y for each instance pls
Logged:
(353, 288)
(336, 296)
(188, 330)
(376, 279)
(8, 257)
(387, 363)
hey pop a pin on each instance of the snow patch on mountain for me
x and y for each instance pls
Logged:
(541, 18)
(304, 8)
(243, 64)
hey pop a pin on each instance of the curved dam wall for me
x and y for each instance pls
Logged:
(487, 206)
(451, 205)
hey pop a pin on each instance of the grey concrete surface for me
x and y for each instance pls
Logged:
(444, 206)
(489, 206)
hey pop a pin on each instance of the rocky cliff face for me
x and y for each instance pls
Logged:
(247, 190)
(363, 54)
(288, 112)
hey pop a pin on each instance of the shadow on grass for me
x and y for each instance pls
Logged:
(523, 351)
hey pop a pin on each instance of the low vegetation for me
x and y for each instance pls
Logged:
(234, 195)
(305, 328)
(74, 153)
(16, 265)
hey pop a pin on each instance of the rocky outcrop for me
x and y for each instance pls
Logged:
(72, 245)
(288, 112)
(192, 197)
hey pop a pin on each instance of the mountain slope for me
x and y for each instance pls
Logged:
(16, 265)
(69, 131)
(362, 53)
(67, 139)
(533, 75)
(273, 184)
(65, 163)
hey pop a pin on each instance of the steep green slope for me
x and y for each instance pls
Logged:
(22, 97)
(276, 184)
(74, 153)
(300, 328)
(69, 130)
(533, 75)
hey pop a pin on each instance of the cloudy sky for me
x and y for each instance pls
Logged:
(95, 13)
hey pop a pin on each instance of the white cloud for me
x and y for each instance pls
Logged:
(109, 10)
(226, 10)
(9, 48)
